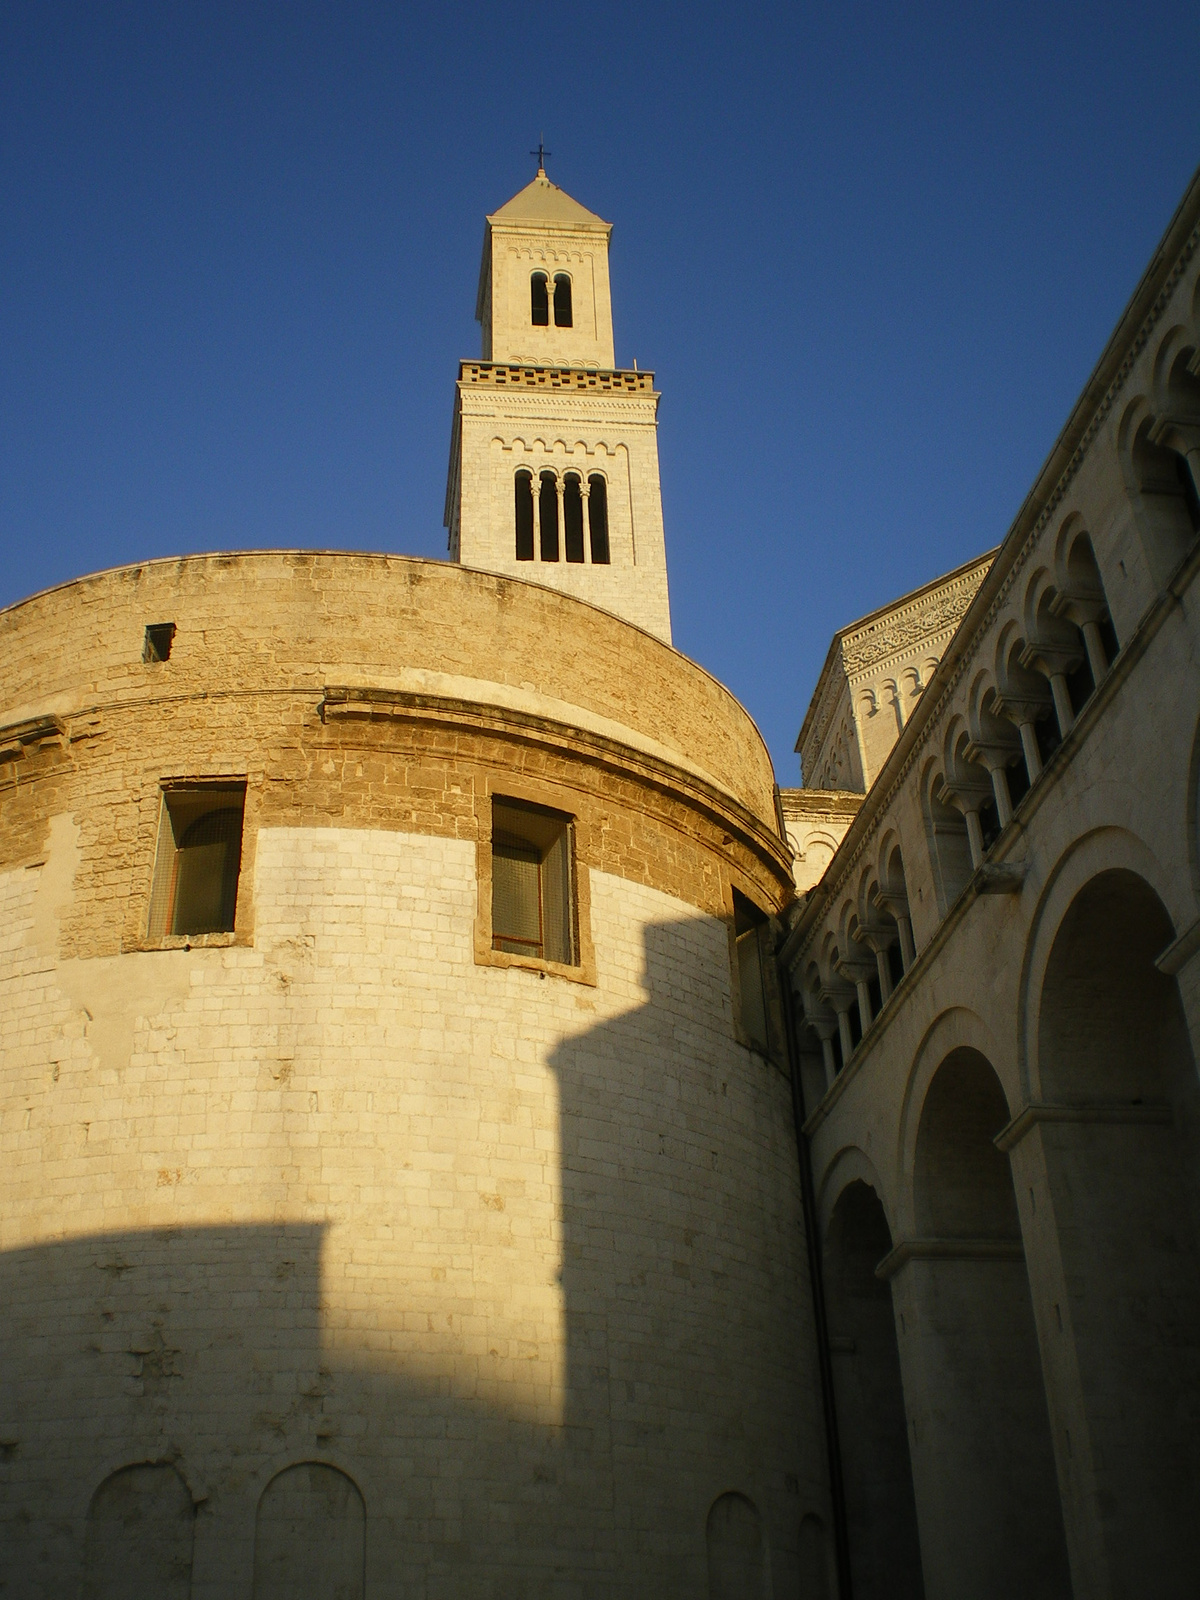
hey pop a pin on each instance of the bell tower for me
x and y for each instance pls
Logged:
(554, 452)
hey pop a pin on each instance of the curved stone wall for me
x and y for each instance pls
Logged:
(272, 620)
(509, 1260)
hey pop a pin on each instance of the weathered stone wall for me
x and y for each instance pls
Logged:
(298, 620)
(519, 1255)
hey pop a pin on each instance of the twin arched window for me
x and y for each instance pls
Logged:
(539, 297)
(566, 510)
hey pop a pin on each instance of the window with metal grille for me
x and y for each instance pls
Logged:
(199, 856)
(532, 911)
(749, 931)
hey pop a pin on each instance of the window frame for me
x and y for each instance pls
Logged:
(234, 790)
(774, 1048)
(549, 803)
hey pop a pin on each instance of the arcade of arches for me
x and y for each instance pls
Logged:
(1017, 1386)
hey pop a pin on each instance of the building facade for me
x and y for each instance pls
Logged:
(999, 990)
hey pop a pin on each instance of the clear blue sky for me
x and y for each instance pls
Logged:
(871, 251)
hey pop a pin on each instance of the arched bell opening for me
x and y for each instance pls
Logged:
(562, 300)
(572, 518)
(1122, 1165)
(598, 518)
(885, 1556)
(548, 516)
(539, 300)
(983, 1460)
(524, 515)
(1165, 498)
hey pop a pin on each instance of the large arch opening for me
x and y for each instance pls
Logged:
(987, 1493)
(1122, 1157)
(885, 1557)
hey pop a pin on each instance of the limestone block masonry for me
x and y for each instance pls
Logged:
(516, 1252)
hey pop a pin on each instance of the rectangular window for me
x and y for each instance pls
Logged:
(198, 859)
(532, 911)
(159, 638)
(749, 931)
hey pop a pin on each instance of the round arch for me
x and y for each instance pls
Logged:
(1104, 849)
(954, 1029)
(310, 1535)
(849, 1165)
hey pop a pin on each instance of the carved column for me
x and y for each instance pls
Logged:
(967, 798)
(860, 972)
(1024, 711)
(1054, 661)
(585, 494)
(1085, 611)
(994, 756)
(841, 997)
(897, 906)
(825, 1028)
(537, 515)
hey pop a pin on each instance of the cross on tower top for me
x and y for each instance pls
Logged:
(541, 153)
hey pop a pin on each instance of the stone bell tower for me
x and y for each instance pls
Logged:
(554, 453)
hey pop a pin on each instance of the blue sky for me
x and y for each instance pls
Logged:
(871, 251)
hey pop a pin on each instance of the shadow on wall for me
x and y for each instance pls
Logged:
(171, 1423)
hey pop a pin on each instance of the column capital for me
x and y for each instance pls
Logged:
(877, 936)
(1025, 707)
(1052, 659)
(1079, 608)
(840, 996)
(965, 795)
(1176, 433)
(993, 753)
(857, 968)
(895, 905)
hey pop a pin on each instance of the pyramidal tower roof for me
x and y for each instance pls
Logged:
(543, 201)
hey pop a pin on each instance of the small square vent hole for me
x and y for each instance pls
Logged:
(159, 636)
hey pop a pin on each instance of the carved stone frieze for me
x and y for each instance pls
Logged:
(894, 634)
